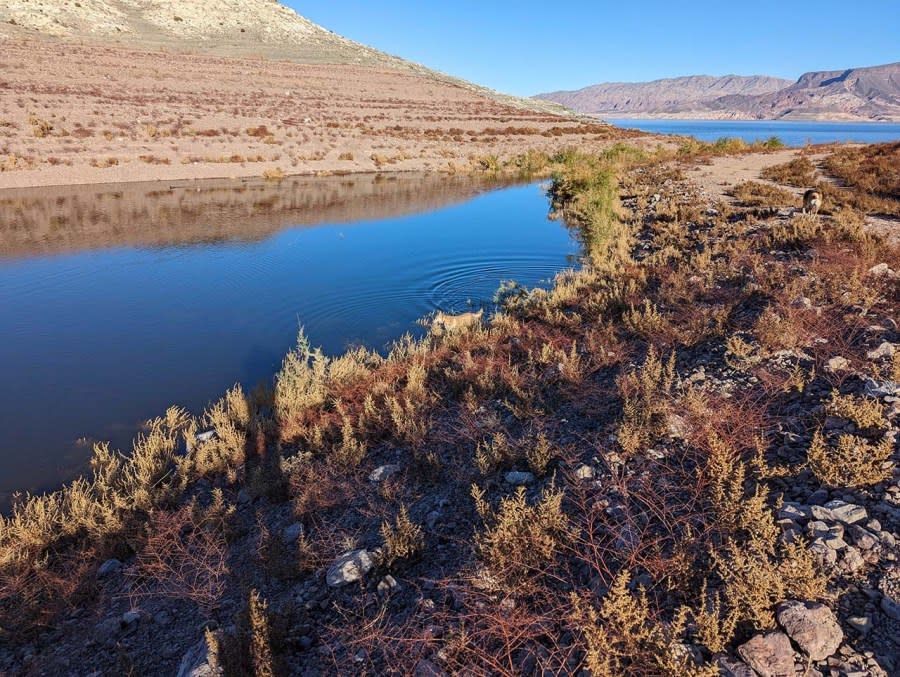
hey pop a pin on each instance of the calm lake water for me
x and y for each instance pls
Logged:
(118, 304)
(791, 133)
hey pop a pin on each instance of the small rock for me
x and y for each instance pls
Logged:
(349, 568)
(884, 350)
(426, 668)
(131, 618)
(585, 472)
(837, 364)
(243, 497)
(518, 479)
(388, 584)
(195, 662)
(770, 654)
(848, 513)
(881, 389)
(882, 270)
(382, 472)
(678, 427)
(862, 624)
(108, 568)
(812, 626)
(730, 667)
(853, 560)
(292, 533)
(822, 513)
(862, 538)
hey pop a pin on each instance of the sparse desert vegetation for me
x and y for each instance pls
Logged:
(66, 116)
(649, 469)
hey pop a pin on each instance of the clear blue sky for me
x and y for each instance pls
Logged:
(525, 47)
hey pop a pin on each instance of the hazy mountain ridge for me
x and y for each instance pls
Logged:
(871, 93)
(231, 28)
(660, 95)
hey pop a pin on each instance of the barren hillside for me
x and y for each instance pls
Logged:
(130, 90)
(631, 98)
(854, 94)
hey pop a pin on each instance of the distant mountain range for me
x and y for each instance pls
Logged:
(854, 94)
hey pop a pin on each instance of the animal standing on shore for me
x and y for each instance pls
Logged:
(812, 200)
(445, 323)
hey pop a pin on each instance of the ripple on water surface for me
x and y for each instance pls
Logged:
(107, 323)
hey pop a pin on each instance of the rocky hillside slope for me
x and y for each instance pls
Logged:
(233, 28)
(662, 95)
(854, 94)
(868, 93)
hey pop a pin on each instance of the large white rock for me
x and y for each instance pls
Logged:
(349, 568)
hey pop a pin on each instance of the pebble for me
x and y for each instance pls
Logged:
(108, 568)
(382, 472)
(517, 478)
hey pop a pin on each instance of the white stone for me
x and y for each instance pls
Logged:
(349, 568)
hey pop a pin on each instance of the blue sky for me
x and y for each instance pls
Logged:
(525, 47)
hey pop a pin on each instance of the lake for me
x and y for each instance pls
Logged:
(791, 132)
(120, 301)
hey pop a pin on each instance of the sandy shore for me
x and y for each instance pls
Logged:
(78, 114)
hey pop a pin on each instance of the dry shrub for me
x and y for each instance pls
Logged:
(260, 641)
(853, 462)
(624, 637)
(520, 539)
(184, 555)
(755, 194)
(870, 174)
(538, 454)
(403, 541)
(491, 455)
(866, 413)
(799, 173)
(646, 400)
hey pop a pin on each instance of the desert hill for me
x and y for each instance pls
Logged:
(661, 95)
(131, 90)
(871, 93)
(230, 28)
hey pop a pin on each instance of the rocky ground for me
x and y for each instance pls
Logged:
(758, 469)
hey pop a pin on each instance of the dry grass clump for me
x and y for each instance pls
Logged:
(624, 636)
(870, 172)
(852, 462)
(756, 194)
(403, 540)
(519, 539)
(865, 412)
(799, 172)
(645, 393)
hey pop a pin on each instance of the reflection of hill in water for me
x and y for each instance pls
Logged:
(73, 218)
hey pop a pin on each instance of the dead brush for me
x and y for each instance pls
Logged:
(755, 194)
(866, 413)
(624, 636)
(852, 462)
(799, 172)
(645, 393)
(184, 555)
(403, 540)
(519, 539)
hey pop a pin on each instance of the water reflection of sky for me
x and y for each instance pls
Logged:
(96, 341)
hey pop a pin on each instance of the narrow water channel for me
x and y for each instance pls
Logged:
(118, 302)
